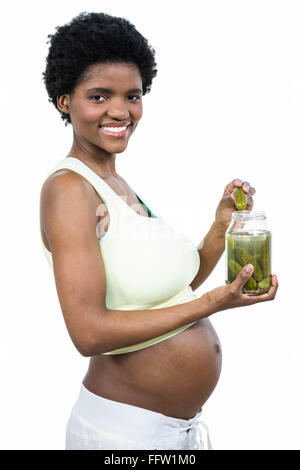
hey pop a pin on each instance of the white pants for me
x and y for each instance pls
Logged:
(98, 423)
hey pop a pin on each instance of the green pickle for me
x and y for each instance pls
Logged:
(265, 283)
(233, 268)
(251, 284)
(239, 199)
(249, 248)
(244, 257)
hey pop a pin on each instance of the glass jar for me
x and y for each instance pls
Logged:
(248, 241)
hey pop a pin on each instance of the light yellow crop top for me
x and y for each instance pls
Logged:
(148, 264)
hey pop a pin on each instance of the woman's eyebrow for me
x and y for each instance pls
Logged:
(108, 90)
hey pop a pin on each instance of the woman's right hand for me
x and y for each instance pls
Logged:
(231, 295)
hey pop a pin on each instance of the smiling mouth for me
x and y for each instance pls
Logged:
(115, 131)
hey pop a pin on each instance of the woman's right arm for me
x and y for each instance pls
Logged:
(69, 221)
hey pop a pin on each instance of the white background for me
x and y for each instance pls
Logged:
(225, 104)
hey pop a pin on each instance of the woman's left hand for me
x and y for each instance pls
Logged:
(226, 206)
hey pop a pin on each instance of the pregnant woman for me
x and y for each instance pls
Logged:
(125, 279)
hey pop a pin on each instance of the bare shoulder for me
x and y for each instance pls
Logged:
(65, 194)
(65, 181)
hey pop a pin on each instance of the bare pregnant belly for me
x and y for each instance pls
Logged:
(174, 377)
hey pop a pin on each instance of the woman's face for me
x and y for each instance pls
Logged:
(109, 95)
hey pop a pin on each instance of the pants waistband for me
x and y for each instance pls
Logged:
(128, 421)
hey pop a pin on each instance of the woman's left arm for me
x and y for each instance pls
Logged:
(212, 246)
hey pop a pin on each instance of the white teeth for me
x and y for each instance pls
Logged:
(114, 129)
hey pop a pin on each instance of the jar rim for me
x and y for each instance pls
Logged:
(248, 215)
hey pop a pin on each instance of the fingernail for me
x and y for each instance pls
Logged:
(249, 268)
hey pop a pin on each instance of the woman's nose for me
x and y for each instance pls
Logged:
(118, 110)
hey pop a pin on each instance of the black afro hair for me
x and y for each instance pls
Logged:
(92, 38)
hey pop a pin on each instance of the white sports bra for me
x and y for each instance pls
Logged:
(148, 264)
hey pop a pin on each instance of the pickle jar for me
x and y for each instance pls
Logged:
(248, 241)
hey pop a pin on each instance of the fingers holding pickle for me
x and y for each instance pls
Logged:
(241, 193)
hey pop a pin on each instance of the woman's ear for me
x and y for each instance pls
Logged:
(63, 103)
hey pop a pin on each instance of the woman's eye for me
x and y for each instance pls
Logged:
(97, 96)
(137, 98)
